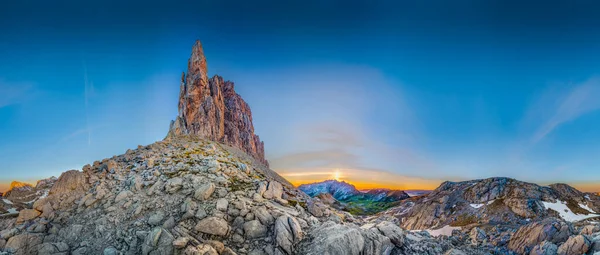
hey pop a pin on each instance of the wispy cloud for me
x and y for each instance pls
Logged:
(88, 91)
(582, 99)
(13, 92)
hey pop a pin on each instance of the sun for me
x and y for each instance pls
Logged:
(337, 175)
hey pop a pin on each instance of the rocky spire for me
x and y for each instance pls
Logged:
(211, 108)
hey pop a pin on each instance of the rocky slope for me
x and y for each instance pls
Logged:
(210, 108)
(495, 201)
(187, 195)
(506, 215)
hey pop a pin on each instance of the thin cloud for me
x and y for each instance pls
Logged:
(12, 93)
(322, 158)
(579, 101)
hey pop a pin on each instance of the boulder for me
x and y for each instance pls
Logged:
(332, 238)
(204, 191)
(263, 215)
(68, 182)
(158, 241)
(213, 226)
(27, 215)
(477, 236)
(53, 248)
(578, 244)
(23, 244)
(222, 204)
(392, 231)
(253, 229)
(590, 229)
(544, 248)
(156, 218)
(202, 249)
(274, 190)
(376, 243)
(532, 234)
(287, 233)
(173, 185)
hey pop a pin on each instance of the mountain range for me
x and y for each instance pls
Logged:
(207, 189)
(345, 196)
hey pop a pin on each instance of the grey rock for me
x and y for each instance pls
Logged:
(204, 191)
(110, 251)
(23, 244)
(53, 248)
(392, 231)
(287, 233)
(253, 229)
(173, 185)
(376, 243)
(334, 239)
(274, 190)
(263, 215)
(222, 204)
(532, 234)
(156, 218)
(158, 241)
(213, 225)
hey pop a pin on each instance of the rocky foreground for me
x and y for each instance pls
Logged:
(187, 195)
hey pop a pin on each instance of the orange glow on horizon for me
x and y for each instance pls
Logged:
(362, 179)
(372, 179)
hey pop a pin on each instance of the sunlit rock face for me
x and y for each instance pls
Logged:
(210, 108)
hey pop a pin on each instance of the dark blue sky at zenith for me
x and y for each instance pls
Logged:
(422, 90)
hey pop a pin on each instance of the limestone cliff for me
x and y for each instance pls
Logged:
(210, 108)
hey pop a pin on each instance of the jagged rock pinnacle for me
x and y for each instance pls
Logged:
(210, 108)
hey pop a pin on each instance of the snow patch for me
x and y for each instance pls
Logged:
(477, 206)
(566, 213)
(12, 210)
(587, 197)
(6, 201)
(445, 231)
(587, 208)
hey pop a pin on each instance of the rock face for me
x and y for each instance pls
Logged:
(551, 230)
(210, 108)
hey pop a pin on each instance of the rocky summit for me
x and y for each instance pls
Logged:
(206, 189)
(210, 108)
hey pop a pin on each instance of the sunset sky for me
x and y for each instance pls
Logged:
(396, 94)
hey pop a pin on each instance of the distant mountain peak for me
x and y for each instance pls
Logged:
(16, 185)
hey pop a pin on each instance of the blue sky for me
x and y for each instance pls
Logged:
(387, 92)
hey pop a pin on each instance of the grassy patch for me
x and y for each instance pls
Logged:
(366, 207)
(464, 220)
(237, 185)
